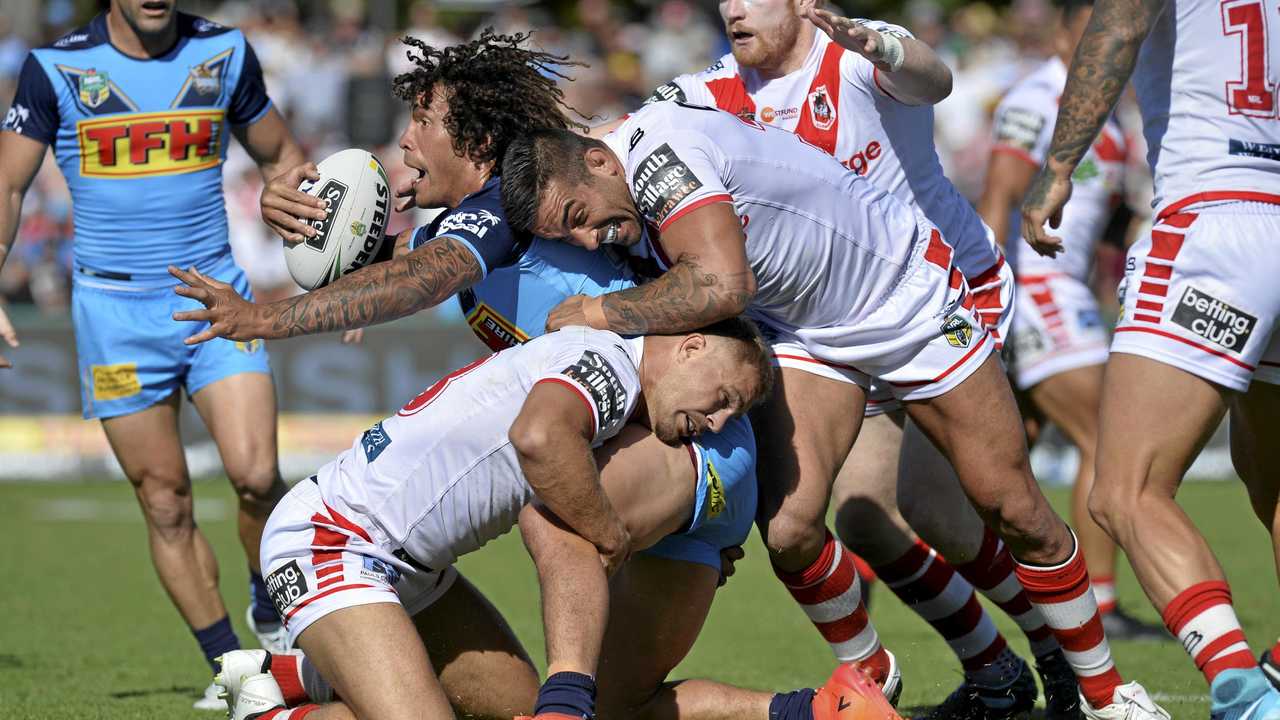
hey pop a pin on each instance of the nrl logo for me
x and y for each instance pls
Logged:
(957, 331)
(358, 228)
(95, 88)
(205, 80)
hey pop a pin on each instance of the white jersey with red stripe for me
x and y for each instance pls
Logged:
(836, 102)
(1208, 83)
(1023, 127)
(440, 478)
(826, 246)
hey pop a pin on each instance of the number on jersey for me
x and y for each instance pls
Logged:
(1252, 94)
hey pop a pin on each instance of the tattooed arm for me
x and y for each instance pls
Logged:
(375, 294)
(1102, 65)
(710, 281)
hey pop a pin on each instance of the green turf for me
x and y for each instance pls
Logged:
(86, 631)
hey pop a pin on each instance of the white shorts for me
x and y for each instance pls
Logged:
(927, 336)
(994, 292)
(1200, 294)
(1057, 328)
(316, 560)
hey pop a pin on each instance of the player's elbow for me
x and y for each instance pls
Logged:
(940, 88)
(531, 439)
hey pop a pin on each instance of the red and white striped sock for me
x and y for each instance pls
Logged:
(1104, 591)
(1062, 595)
(935, 592)
(1204, 620)
(287, 713)
(828, 593)
(991, 572)
(287, 671)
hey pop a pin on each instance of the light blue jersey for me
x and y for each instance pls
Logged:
(141, 142)
(524, 278)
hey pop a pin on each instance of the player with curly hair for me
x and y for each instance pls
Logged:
(469, 103)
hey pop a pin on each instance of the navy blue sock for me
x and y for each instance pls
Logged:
(264, 611)
(217, 639)
(797, 705)
(569, 693)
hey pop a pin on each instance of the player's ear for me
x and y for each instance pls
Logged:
(601, 162)
(692, 344)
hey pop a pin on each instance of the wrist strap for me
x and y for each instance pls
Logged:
(891, 52)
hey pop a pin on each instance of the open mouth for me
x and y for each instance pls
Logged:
(156, 8)
(741, 36)
(689, 430)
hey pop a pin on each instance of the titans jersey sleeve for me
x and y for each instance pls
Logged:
(479, 223)
(601, 367)
(672, 171)
(857, 70)
(249, 102)
(34, 112)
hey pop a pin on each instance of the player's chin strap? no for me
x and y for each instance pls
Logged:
(891, 51)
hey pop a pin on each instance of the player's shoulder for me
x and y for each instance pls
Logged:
(1038, 91)
(478, 213)
(199, 27)
(86, 37)
(725, 67)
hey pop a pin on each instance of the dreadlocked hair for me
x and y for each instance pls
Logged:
(496, 90)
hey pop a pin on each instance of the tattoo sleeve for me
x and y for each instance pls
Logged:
(1102, 64)
(686, 297)
(379, 293)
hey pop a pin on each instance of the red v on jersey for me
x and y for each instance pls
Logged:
(819, 124)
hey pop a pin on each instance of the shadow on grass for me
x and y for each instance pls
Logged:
(184, 690)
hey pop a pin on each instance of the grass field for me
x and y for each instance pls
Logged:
(86, 631)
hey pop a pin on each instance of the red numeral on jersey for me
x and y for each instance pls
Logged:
(1251, 95)
(425, 397)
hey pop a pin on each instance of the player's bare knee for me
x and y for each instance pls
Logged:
(167, 506)
(794, 539)
(258, 488)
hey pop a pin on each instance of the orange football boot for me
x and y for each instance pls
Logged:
(849, 694)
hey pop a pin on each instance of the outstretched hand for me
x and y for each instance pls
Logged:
(850, 35)
(229, 315)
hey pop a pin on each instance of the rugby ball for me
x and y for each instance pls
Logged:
(357, 198)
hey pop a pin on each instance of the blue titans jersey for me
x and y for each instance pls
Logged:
(524, 277)
(141, 142)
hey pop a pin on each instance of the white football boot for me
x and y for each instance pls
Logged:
(1129, 702)
(234, 667)
(273, 641)
(211, 700)
(258, 693)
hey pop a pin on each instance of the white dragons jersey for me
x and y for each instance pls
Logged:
(439, 478)
(826, 246)
(836, 103)
(1208, 83)
(1024, 124)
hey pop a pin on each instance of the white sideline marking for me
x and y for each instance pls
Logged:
(86, 509)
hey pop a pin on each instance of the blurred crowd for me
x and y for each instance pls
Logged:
(328, 65)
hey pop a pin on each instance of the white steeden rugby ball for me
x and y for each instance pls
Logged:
(358, 198)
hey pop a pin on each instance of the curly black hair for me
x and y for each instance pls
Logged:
(497, 91)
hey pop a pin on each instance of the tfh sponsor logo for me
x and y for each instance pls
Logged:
(142, 144)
